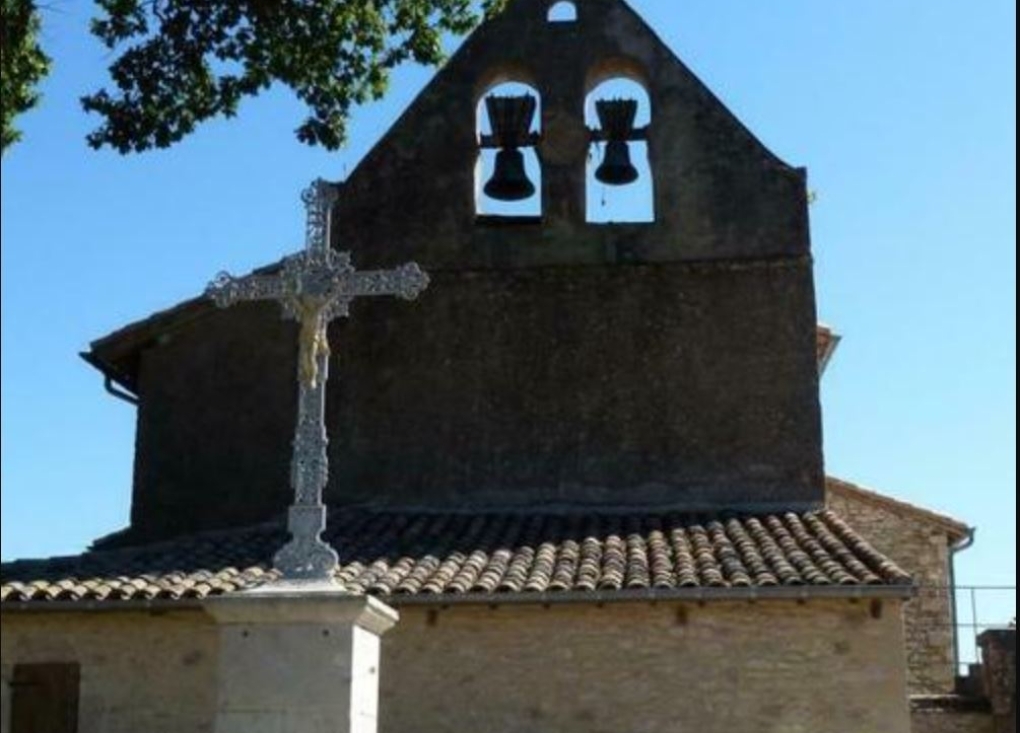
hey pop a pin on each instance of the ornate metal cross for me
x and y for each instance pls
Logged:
(314, 286)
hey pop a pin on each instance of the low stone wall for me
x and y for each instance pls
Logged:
(140, 672)
(831, 666)
(767, 667)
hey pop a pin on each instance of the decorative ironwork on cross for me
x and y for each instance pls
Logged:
(314, 287)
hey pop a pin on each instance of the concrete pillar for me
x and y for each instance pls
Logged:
(298, 659)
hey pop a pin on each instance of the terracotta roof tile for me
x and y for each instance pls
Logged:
(415, 553)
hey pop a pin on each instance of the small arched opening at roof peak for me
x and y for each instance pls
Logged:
(619, 185)
(508, 174)
(563, 11)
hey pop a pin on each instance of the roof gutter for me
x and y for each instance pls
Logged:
(653, 595)
(800, 593)
(154, 605)
(966, 542)
(111, 382)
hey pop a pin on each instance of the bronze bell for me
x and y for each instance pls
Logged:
(509, 180)
(616, 168)
(617, 119)
(510, 118)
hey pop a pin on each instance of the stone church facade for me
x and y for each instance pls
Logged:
(584, 470)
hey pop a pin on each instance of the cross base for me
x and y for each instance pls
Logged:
(306, 556)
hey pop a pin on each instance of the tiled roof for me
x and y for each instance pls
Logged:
(393, 553)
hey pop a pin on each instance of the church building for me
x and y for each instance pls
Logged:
(576, 486)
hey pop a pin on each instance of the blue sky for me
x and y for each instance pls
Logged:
(903, 112)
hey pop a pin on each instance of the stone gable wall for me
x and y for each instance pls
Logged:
(554, 362)
(922, 549)
(718, 192)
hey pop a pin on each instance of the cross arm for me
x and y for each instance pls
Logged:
(226, 289)
(406, 281)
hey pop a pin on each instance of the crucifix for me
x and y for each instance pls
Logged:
(314, 286)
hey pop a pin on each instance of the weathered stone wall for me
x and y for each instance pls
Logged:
(139, 672)
(667, 384)
(770, 667)
(822, 667)
(215, 424)
(998, 666)
(985, 701)
(921, 548)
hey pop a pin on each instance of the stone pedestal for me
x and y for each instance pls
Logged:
(298, 658)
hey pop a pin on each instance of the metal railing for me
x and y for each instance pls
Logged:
(979, 608)
(973, 609)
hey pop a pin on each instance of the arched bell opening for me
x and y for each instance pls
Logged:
(508, 175)
(619, 185)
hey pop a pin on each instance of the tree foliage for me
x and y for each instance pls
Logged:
(178, 63)
(22, 64)
(181, 62)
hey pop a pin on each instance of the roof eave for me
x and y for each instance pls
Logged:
(652, 595)
(154, 605)
(115, 355)
(802, 593)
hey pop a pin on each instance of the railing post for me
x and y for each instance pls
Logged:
(974, 620)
